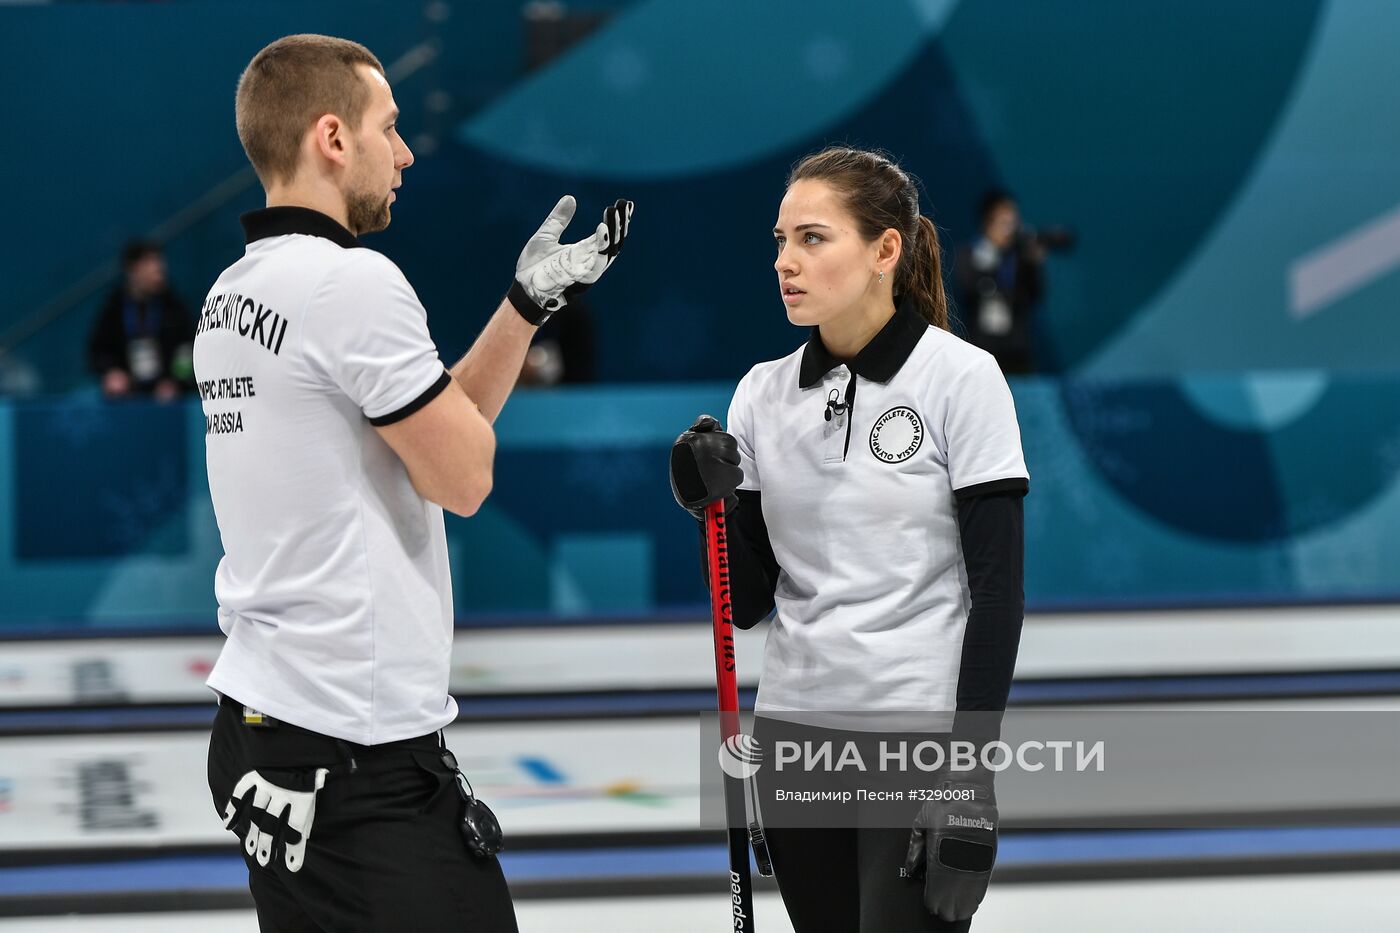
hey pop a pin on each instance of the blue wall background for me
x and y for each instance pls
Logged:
(1204, 151)
(1130, 504)
(1223, 423)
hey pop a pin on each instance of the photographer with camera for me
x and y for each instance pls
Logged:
(1000, 281)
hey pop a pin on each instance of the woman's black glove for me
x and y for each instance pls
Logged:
(705, 467)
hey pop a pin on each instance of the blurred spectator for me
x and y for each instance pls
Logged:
(1000, 281)
(140, 343)
(562, 351)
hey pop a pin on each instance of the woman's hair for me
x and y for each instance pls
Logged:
(882, 196)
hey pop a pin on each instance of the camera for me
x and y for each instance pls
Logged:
(1053, 239)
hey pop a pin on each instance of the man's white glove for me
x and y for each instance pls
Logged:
(297, 809)
(549, 273)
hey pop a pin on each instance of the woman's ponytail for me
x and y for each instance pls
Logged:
(923, 281)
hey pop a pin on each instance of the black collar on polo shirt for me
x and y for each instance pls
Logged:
(878, 360)
(281, 221)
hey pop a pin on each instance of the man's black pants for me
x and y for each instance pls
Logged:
(384, 853)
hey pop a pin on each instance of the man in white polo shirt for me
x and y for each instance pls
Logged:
(335, 439)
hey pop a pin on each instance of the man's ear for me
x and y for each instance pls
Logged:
(331, 138)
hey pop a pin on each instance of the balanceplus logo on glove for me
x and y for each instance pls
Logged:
(963, 822)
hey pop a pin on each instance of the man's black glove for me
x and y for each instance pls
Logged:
(705, 467)
(954, 845)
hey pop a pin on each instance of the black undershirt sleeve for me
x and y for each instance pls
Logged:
(753, 570)
(992, 528)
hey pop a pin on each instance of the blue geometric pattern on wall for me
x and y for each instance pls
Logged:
(1157, 449)
(675, 89)
(98, 481)
(1135, 123)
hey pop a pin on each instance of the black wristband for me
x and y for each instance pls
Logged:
(521, 301)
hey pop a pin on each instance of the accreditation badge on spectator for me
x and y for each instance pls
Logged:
(994, 316)
(143, 357)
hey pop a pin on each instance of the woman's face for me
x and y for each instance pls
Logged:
(825, 267)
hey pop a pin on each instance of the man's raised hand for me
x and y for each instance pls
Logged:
(549, 273)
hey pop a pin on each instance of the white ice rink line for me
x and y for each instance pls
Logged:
(680, 656)
(1268, 904)
(1210, 641)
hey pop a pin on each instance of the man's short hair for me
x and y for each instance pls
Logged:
(290, 85)
(991, 200)
(133, 251)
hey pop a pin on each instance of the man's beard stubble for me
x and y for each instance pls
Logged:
(366, 213)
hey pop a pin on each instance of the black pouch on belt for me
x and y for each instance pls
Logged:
(480, 829)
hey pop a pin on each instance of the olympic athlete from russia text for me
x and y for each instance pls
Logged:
(874, 479)
(335, 439)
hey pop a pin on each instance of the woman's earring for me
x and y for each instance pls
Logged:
(882, 278)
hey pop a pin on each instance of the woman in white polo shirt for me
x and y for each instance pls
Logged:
(875, 477)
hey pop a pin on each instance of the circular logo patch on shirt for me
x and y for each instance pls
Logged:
(897, 435)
